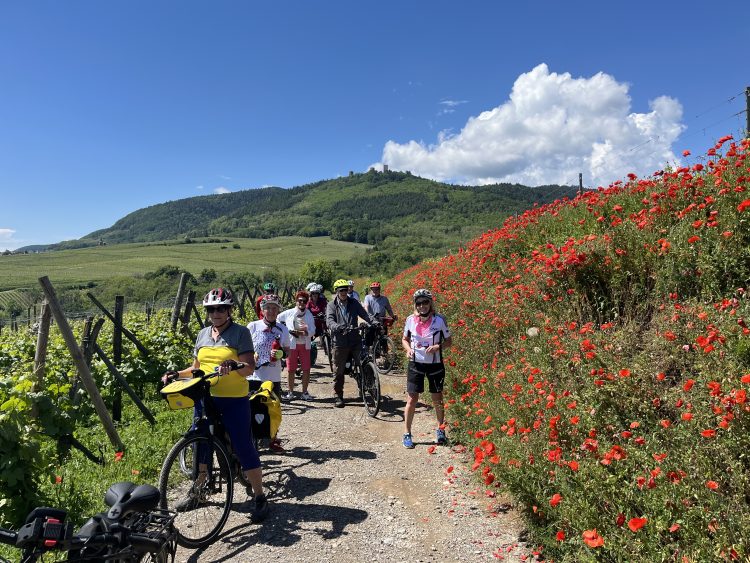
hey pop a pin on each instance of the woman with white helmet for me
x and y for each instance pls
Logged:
(271, 342)
(425, 337)
(226, 348)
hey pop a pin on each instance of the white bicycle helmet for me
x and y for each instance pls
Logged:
(422, 293)
(270, 299)
(309, 286)
(218, 296)
(351, 283)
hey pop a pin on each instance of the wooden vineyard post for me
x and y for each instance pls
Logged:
(40, 355)
(80, 362)
(117, 354)
(189, 304)
(178, 300)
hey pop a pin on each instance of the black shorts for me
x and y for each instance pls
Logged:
(416, 373)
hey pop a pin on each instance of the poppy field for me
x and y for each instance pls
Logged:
(601, 363)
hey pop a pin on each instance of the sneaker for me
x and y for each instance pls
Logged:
(260, 509)
(276, 446)
(408, 442)
(306, 396)
(288, 397)
(440, 437)
(338, 402)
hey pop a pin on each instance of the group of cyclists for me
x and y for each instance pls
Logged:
(243, 357)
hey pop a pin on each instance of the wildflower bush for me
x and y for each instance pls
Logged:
(601, 363)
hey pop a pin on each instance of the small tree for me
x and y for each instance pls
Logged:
(320, 271)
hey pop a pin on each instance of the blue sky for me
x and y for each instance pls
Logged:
(108, 107)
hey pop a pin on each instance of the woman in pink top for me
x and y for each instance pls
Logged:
(425, 337)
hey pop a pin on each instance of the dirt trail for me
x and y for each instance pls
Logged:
(347, 490)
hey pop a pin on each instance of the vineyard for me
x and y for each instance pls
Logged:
(601, 364)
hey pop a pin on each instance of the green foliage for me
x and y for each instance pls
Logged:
(35, 415)
(320, 271)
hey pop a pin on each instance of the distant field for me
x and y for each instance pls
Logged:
(80, 266)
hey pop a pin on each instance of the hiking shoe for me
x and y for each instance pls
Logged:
(288, 397)
(260, 509)
(408, 442)
(339, 403)
(276, 446)
(440, 438)
(306, 396)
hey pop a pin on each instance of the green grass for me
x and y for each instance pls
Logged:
(81, 266)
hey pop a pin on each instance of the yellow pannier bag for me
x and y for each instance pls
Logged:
(183, 393)
(265, 408)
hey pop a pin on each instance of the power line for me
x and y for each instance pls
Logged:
(727, 101)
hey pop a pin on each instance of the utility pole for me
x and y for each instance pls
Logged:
(580, 183)
(747, 111)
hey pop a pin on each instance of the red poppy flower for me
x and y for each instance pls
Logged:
(636, 524)
(708, 433)
(560, 536)
(592, 538)
(555, 500)
(713, 485)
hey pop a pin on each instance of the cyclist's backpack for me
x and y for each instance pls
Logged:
(265, 411)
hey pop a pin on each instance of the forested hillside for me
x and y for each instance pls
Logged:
(407, 218)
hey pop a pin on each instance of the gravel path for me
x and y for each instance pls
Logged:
(347, 490)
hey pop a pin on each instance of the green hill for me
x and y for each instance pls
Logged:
(405, 218)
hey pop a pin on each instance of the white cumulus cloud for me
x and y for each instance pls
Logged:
(6, 234)
(552, 127)
(221, 190)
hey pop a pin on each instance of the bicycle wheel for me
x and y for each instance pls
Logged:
(202, 501)
(370, 388)
(384, 353)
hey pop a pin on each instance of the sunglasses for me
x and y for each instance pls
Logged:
(420, 303)
(217, 309)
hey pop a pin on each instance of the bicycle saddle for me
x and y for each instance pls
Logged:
(126, 497)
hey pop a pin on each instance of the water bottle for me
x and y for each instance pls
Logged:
(276, 351)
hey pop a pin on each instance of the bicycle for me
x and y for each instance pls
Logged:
(325, 340)
(132, 530)
(384, 350)
(205, 495)
(365, 372)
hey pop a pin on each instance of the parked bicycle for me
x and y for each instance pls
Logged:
(132, 530)
(384, 350)
(200, 467)
(363, 369)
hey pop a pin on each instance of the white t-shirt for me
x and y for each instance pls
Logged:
(423, 335)
(263, 337)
